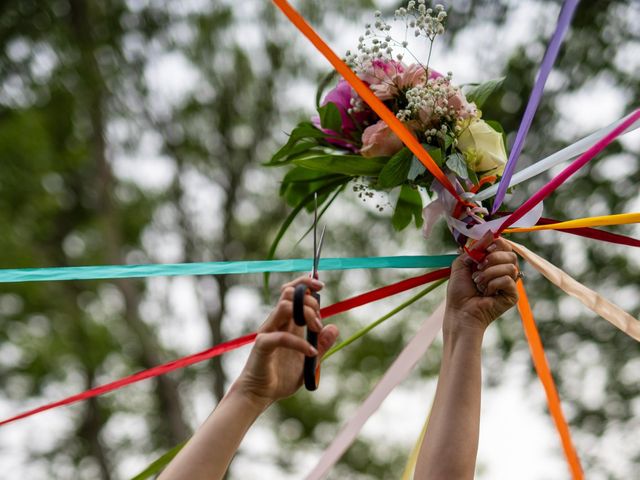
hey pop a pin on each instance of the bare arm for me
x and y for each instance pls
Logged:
(474, 300)
(273, 371)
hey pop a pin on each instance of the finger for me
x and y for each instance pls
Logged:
(505, 285)
(485, 276)
(312, 283)
(281, 316)
(499, 245)
(267, 343)
(327, 338)
(312, 318)
(498, 258)
(464, 262)
(310, 301)
(286, 293)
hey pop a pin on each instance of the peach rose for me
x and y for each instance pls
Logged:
(378, 140)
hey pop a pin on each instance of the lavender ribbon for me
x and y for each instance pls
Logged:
(564, 20)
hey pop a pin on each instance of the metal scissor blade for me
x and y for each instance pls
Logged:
(316, 253)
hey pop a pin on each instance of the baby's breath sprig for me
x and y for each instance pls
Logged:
(377, 42)
(425, 22)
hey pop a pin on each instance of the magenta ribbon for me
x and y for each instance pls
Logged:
(576, 165)
(564, 20)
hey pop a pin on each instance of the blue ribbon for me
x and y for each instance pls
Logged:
(219, 268)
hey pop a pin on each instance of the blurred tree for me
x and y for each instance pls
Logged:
(80, 104)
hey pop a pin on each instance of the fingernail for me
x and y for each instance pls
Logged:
(467, 260)
(313, 351)
(318, 324)
(317, 283)
(492, 247)
(477, 278)
(482, 265)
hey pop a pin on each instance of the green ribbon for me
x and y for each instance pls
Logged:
(219, 268)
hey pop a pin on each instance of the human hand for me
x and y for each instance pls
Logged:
(478, 294)
(274, 368)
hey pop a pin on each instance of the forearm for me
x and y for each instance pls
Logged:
(451, 441)
(208, 453)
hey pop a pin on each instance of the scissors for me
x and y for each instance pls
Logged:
(311, 371)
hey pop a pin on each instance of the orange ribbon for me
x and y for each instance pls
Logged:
(544, 373)
(368, 96)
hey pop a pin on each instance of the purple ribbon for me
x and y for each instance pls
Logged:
(564, 20)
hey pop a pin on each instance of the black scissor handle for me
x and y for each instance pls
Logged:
(311, 370)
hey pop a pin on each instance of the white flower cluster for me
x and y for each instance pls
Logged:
(430, 105)
(377, 42)
(424, 21)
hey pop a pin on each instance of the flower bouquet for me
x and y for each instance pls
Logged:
(347, 142)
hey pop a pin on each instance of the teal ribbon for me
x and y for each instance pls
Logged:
(219, 268)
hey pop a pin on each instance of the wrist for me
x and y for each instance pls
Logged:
(459, 323)
(253, 402)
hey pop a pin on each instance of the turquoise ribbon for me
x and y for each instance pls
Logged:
(219, 268)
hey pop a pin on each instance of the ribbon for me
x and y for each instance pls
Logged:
(544, 373)
(219, 268)
(620, 219)
(137, 377)
(477, 231)
(592, 300)
(221, 348)
(412, 461)
(368, 96)
(363, 331)
(399, 370)
(596, 234)
(564, 20)
(563, 176)
(557, 158)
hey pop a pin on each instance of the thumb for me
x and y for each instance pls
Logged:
(326, 339)
(464, 263)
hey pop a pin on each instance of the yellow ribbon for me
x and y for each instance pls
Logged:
(412, 461)
(619, 219)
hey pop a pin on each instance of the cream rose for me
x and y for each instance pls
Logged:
(483, 148)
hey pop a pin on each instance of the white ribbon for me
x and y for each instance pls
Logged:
(399, 370)
(557, 158)
(477, 231)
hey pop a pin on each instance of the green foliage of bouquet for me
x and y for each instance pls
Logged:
(347, 141)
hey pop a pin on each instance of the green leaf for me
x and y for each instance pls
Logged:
(498, 128)
(396, 170)
(324, 83)
(324, 190)
(304, 131)
(159, 464)
(472, 175)
(458, 165)
(495, 125)
(409, 205)
(353, 165)
(448, 141)
(416, 169)
(299, 181)
(482, 92)
(330, 117)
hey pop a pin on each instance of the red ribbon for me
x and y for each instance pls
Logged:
(221, 348)
(595, 234)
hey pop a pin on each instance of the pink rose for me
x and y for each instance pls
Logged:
(463, 108)
(378, 140)
(387, 78)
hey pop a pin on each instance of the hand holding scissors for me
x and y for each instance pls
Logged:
(311, 370)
